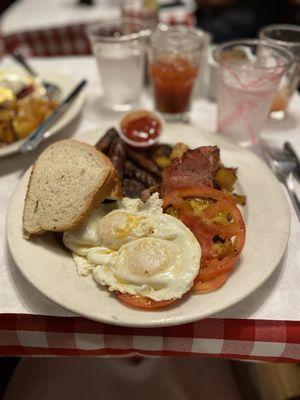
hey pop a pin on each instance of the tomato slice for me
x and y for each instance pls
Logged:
(213, 284)
(142, 302)
(221, 220)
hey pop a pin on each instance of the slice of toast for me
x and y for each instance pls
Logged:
(68, 179)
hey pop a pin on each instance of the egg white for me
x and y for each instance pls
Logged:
(136, 249)
(81, 240)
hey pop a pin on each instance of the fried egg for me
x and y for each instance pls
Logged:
(136, 249)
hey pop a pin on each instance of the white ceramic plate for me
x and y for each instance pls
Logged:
(66, 83)
(51, 270)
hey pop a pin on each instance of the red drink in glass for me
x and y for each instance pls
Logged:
(173, 79)
(174, 58)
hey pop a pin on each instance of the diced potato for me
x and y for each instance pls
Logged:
(42, 108)
(2, 132)
(6, 133)
(23, 126)
(10, 134)
(10, 105)
(226, 178)
(239, 199)
(163, 162)
(6, 115)
(179, 150)
(19, 117)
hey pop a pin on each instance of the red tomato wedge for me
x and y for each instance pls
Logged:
(208, 286)
(142, 302)
(218, 223)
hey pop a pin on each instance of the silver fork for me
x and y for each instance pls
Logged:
(284, 166)
(53, 91)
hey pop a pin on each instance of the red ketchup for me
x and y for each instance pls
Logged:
(140, 128)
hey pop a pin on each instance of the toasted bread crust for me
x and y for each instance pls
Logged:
(110, 189)
(38, 231)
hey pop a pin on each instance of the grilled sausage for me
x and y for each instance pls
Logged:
(144, 162)
(117, 155)
(137, 173)
(104, 143)
(132, 188)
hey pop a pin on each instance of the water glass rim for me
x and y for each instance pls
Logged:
(283, 27)
(162, 28)
(287, 54)
(143, 33)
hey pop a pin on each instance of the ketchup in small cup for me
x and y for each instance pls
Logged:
(140, 128)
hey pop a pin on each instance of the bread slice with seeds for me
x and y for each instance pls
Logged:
(67, 181)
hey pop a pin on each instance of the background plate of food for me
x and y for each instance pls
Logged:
(140, 254)
(24, 106)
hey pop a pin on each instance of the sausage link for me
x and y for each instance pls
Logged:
(104, 142)
(117, 155)
(144, 162)
(137, 173)
(132, 188)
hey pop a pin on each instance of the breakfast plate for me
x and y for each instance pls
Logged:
(66, 83)
(51, 269)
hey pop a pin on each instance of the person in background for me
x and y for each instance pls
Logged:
(233, 19)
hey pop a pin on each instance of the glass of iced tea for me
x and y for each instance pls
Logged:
(249, 74)
(287, 36)
(174, 58)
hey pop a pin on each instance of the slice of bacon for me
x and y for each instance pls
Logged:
(196, 167)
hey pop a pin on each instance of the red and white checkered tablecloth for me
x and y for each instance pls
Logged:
(277, 341)
(66, 40)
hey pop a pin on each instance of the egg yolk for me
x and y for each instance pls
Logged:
(123, 230)
(116, 227)
(145, 257)
(6, 94)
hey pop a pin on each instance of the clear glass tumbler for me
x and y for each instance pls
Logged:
(120, 50)
(174, 59)
(287, 36)
(147, 11)
(248, 78)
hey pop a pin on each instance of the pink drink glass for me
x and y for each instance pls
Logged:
(249, 75)
(288, 37)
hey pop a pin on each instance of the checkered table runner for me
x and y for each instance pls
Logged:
(66, 40)
(22, 334)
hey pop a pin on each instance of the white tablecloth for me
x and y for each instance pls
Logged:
(277, 299)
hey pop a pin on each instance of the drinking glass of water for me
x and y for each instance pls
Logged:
(249, 75)
(120, 50)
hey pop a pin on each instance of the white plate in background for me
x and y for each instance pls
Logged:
(66, 83)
